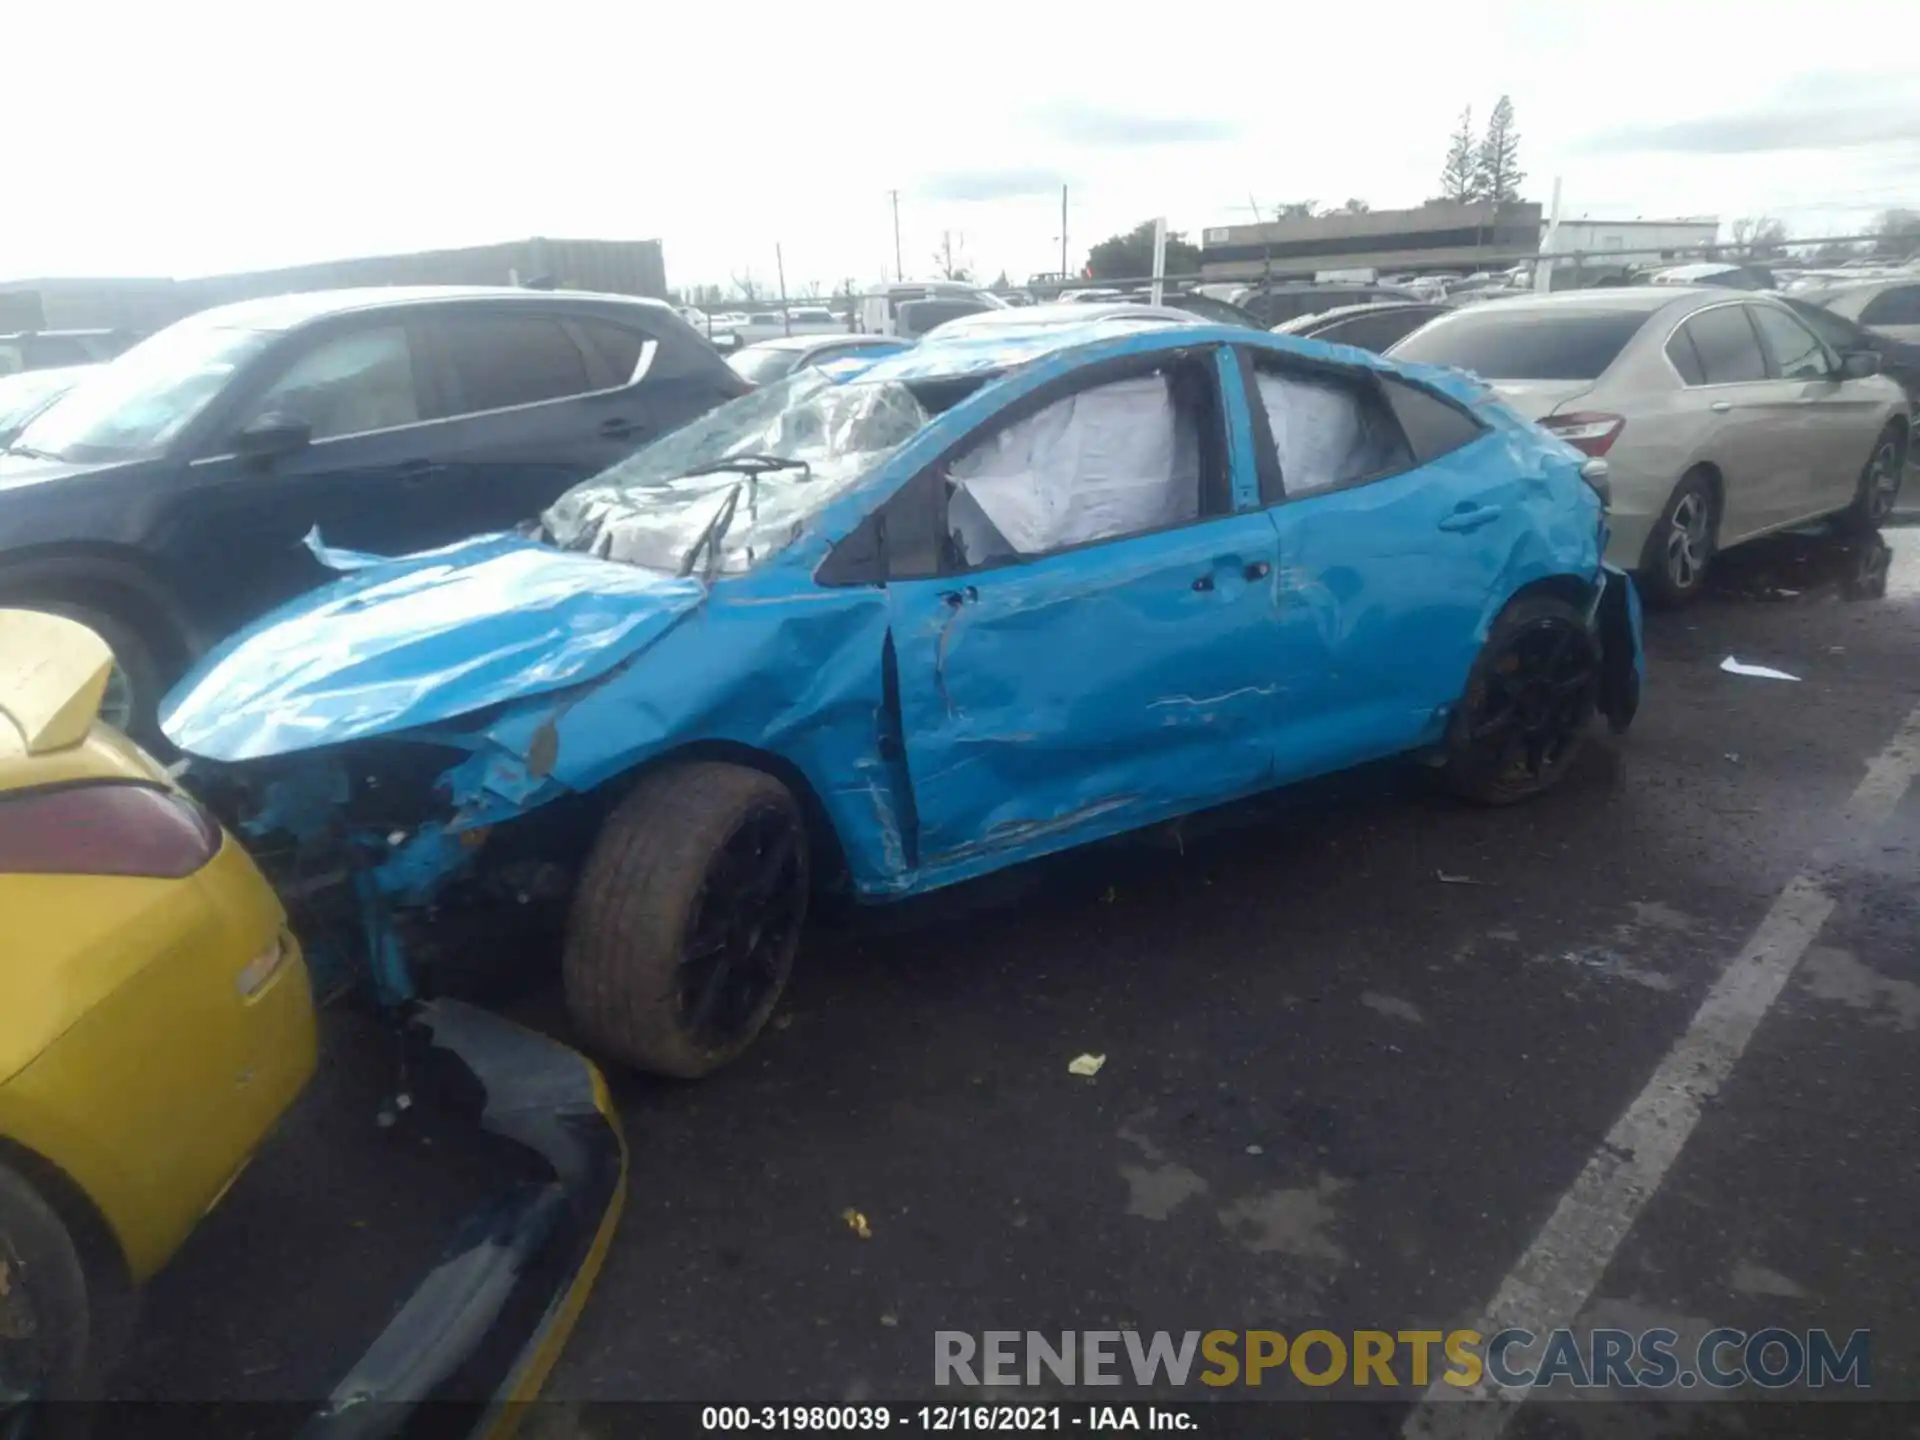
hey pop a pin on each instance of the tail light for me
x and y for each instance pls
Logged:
(105, 829)
(1591, 431)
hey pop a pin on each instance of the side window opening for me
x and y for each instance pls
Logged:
(1120, 458)
(348, 385)
(1326, 432)
(502, 360)
(1433, 427)
(1686, 359)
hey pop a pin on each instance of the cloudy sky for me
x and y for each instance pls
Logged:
(195, 136)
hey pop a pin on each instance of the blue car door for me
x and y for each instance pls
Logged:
(1097, 648)
(1397, 512)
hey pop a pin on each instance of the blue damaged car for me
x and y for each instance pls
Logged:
(890, 624)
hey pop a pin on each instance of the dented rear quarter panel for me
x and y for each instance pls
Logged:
(1370, 615)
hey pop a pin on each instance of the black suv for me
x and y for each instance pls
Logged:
(164, 501)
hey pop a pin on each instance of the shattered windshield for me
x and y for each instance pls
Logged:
(740, 483)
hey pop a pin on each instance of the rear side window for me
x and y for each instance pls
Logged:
(1326, 432)
(1686, 359)
(1893, 307)
(1433, 427)
(504, 360)
(617, 347)
(1498, 343)
(1729, 351)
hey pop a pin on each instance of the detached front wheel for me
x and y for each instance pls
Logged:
(1528, 705)
(687, 917)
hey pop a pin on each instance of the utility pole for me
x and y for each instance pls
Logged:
(780, 269)
(1063, 233)
(898, 273)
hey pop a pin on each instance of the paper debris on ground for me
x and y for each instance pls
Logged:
(1086, 1065)
(1758, 672)
(857, 1223)
(1445, 879)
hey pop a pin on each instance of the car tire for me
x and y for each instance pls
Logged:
(132, 702)
(686, 918)
(1673, 567)
(46, 1350)
(1878, 490)
(1529, 702)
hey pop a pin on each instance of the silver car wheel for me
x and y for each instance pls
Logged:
(1883, 481)
(1687, 542)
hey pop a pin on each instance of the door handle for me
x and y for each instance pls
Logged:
(1258, 570)
(1470, 517)
(1205, 582)
(956, 598)
(415, 471)
(618, 428)
(1721, 407)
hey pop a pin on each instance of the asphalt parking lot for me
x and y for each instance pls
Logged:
(1360, 1042)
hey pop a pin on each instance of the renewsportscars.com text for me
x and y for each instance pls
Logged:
(1655, 1359)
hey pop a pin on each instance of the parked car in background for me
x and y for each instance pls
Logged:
(26, 394)
(887, 628)
(1721, 416)
(1282, 301)
(795, 320)
(163, 502)
(771, 360)
(1371, 327)
(935, 301)
(1716, 272)
(1058, 315)
(1899, 359)
(60, 349)
(155, 1017)
(1890, 306)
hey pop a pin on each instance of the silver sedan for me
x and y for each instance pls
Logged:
(1722, 417)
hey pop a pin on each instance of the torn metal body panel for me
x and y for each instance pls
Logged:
(486, 1322)
(942, 711)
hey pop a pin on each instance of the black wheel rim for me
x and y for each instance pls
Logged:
(742, 929)
(1533, 700)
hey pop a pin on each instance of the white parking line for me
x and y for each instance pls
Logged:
(1553, 1281)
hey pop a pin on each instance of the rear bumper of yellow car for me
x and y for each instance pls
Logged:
(198, 1034)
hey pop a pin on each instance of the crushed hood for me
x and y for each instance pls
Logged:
(418, 641)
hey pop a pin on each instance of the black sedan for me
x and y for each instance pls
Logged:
(1370, 327)
(163, 501)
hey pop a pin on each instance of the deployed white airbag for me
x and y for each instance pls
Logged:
(1114, 460)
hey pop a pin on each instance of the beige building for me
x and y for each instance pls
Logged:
(1439, 236)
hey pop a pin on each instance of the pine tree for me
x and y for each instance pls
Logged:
(1460, 178)
(1497, 166)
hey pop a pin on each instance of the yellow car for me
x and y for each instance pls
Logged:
(155, 1013)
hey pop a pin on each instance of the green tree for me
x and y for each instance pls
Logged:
(1460, 176)
(1497, 163)
(1351, 207)
(1130, 256)
(1294, 210)
(1897, 233)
